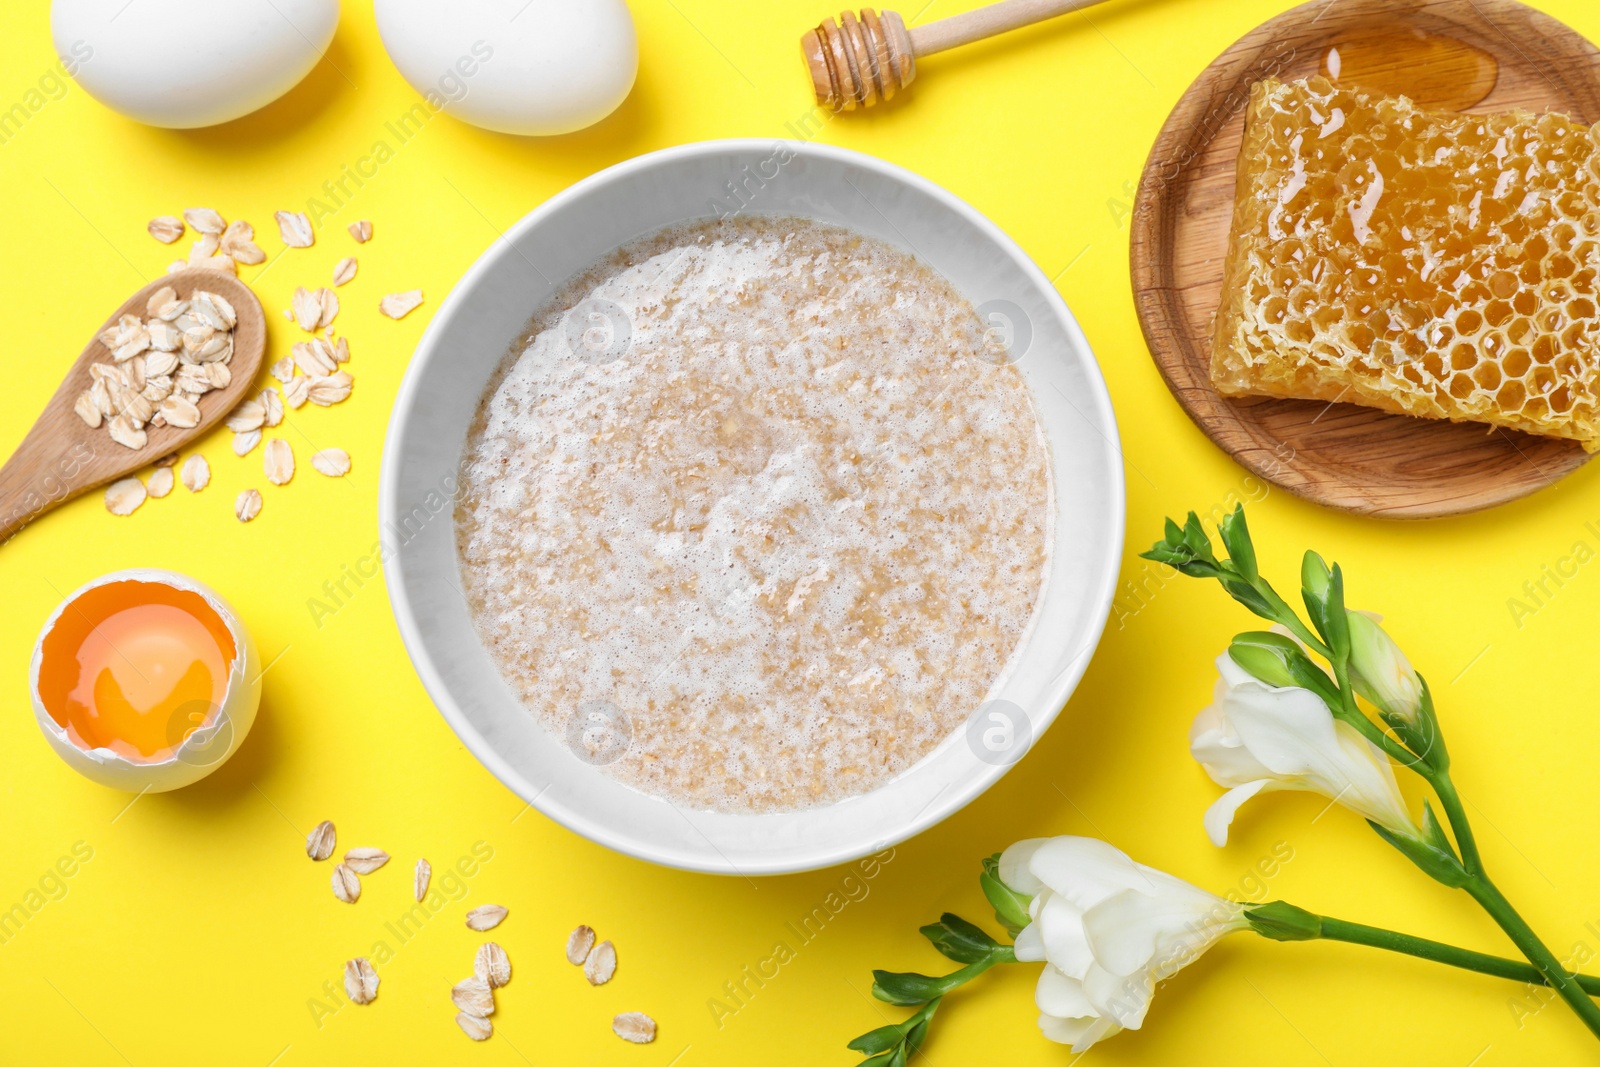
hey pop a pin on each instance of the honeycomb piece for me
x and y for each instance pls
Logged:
(1423, 262)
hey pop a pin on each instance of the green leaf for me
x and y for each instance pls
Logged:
(1249, 596)
(1010, 907)
(958, 939)
(876, 1061)
(905, 988)
(1235, 536)
(1422, 735)
(1282, 921)
(1439, 864)
(882, 1039)
(1338, 632)
(1433, 830)
(916, 1036)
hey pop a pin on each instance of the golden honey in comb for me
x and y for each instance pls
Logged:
(135, 667)
(1424, 262)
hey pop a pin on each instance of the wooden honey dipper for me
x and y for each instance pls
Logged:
(862, 59)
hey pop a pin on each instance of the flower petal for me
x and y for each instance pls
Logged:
(1029, 947)
(1079, 1033)
(1124, 998)
(1060, 926)
(1061, 996)
(1013, 867)
(1084, 870)
(1219, 816)
(1134, 931)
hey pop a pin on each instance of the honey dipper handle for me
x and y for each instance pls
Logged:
(987, 21)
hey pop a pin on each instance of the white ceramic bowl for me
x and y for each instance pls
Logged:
(470, 334)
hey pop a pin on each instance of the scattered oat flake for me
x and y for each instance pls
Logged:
(277, 462)
(399, 305)
(601, 964)
(165, 228)
(307, 307)
(271, 402)
(295, 229)
(365, 860)
(168, 460)
(579, 942)
(319, 842)
(331, 389)
(361, 231)
(204, 220)
(124, 496)
(634, 1026)
(346, 886)
(249, 415)
(330, 307)
(492, 965)
(474, 1027)
(360, 980)
(196, 475)
(424, 868)
(283, 370)
(246, 506)
(344, 270)
(239, 241)
(486, 917)
(159, 484)
(333, 462)
(245, 443)
(297, 391)
(474, 997)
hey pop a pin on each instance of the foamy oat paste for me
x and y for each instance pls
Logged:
(753, 517)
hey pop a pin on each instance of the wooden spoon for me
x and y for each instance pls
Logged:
(63, 457)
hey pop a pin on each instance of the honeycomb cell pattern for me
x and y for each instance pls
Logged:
(1424, 262)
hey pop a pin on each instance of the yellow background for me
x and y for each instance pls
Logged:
(198, 932)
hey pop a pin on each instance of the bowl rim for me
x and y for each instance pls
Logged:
(574, 819)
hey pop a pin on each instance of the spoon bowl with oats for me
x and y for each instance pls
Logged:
(169, 364)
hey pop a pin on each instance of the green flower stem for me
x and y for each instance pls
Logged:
(1445, 788)
(1500, 909)
(1290, 620)
(999, 954)
(1438, 952)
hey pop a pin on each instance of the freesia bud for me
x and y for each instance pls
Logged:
(1107, 930)
(1264, 657)
(1382, 673)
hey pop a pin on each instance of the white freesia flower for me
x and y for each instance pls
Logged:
(1107, 929)
(1255, 738)
(1382, 673)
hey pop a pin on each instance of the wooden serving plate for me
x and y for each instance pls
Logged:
(1341, 455)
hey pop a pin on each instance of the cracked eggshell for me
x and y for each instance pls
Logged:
(188, 63)
(532, 67)
(204, 750)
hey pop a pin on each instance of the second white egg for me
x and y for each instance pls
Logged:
(536, 67)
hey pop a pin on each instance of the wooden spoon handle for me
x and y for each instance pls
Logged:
(984, 22)
(37, 479)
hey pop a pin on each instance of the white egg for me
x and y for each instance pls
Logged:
(516, 66)
(187, 63)
(220, 730)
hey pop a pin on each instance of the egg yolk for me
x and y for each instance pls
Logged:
(135, 667)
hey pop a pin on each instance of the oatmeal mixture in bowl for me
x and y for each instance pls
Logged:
(755, 514)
